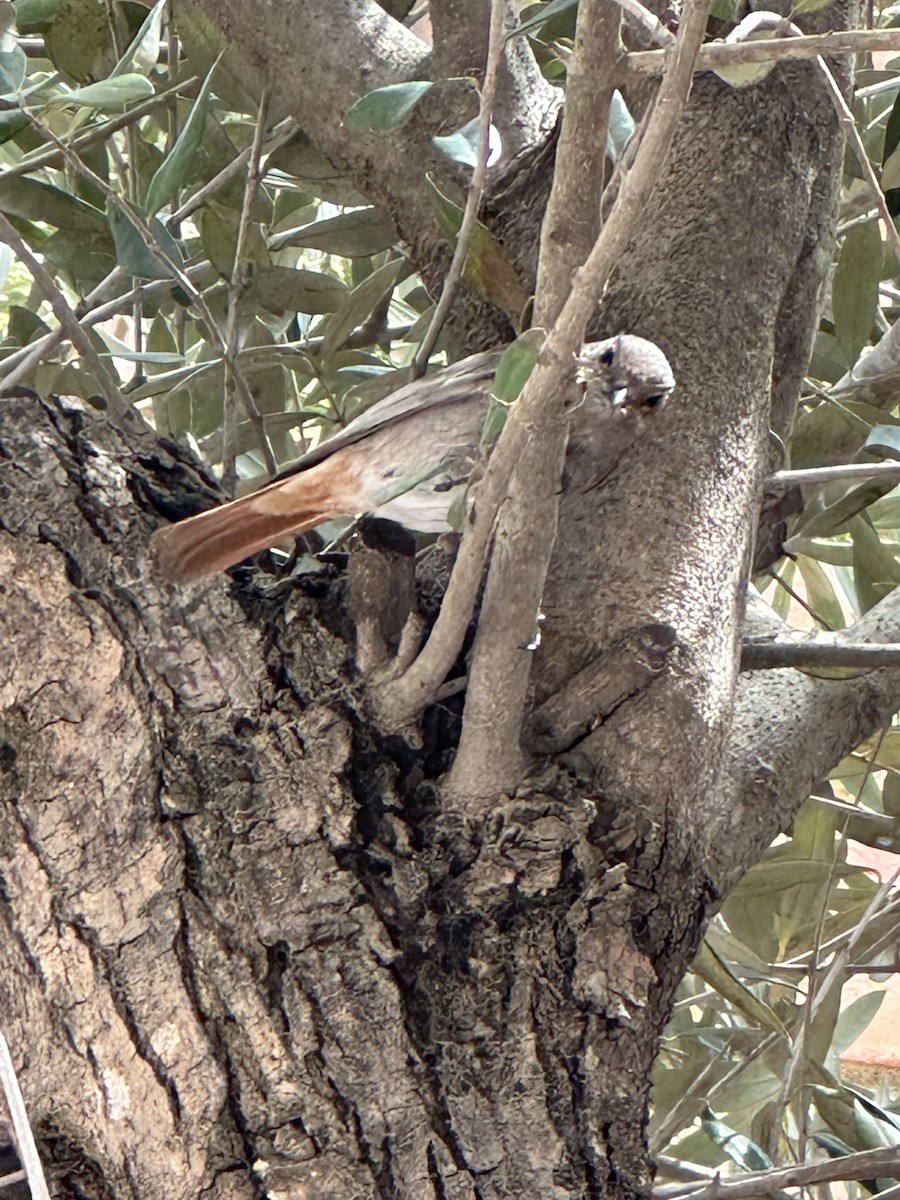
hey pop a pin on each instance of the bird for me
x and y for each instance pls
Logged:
(409, 457)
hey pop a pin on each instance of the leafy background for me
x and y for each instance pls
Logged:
(257, 310)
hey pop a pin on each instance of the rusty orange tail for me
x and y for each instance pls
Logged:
(224, 536)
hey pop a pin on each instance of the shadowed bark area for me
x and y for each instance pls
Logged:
(247, 950)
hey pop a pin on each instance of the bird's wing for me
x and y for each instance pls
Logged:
(465, 378)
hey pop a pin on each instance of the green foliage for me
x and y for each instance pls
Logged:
(751, 1058)
(854, 292)
(175, 169)
(388, 108)
(751, 1069)
(125, 172)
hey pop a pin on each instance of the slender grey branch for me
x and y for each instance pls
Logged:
(16, 365)
(151, 242)
(887, 470)
(234, 380)
(501, 664)
(153, 245)
(476, 189)
(867, 1164)
(718, 54)
(848, 122)
(281, 133)
(769, 656)
(49, 157)
(27, 1150)
(788, 972)
(571, 223)
(66, 317)
(402, 699)
(789, 730)
(648, 21)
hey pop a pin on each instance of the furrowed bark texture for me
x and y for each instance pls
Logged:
(247, 950)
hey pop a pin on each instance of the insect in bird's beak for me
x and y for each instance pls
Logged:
(619, 397)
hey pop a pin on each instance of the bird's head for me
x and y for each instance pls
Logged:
(627, 373)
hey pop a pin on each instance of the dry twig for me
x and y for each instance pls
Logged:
(27, 1150)
(476, 189)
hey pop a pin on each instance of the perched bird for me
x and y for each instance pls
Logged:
(410, 455)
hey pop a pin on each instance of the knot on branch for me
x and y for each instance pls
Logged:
(619, 674)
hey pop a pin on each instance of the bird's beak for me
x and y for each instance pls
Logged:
(619, 397)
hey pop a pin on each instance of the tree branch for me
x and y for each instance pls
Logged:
(788, 731)
(92, 310)
(27, 1150)
(488, 761)
(234, 381)
(649, 22)
(769, 656)
(867, 1164)
(454, 275)
(19, 363)
(356, 47)
(718, 54)
(35, 160)
(571, 223)
(523, 98)
(854, 139)
(571, 226)
(881, 470)
(401, 700)
(68, 323)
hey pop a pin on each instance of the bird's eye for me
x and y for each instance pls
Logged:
(655, 401)
(606, 356)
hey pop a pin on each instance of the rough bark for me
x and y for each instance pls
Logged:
(217, 885)
(247, 950)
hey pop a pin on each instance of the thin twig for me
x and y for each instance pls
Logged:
(19, 363)
(720, 54)
(843, 227)
(66, 317)
(867, 1164)
(15, 366)
(845, 116)
(797, 1059)
(151, 242)
(37, 159)
(281, 133)
(176, 269)
(808, 475)
(571, 222)
(27, 1150)
(476, 189)
(526, 529)
(488, 760)
(648, 21)
(798, 599)
(234, 381)
(824, 987)
(772, 656)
